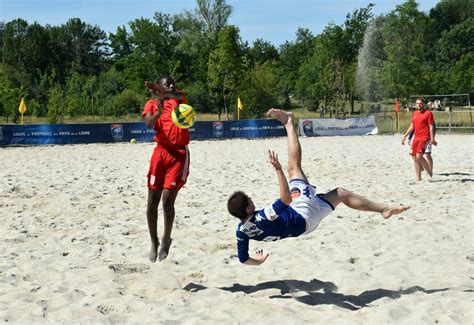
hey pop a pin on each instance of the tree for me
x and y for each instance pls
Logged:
(56, 105)
(9, 97)
(259, 90)
(263, 51)
(402, 71)
(152, 55)
(215, 14)
(461, 79)
(292, 56)
(224, 69)
(15, 54)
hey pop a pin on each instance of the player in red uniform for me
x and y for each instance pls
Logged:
(423, 123)
(169, 165)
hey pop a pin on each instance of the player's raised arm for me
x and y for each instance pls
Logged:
(153, 112)
(285, 194)
(162, 91)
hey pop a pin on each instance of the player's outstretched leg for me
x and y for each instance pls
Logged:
(294, 147)
(357, 202)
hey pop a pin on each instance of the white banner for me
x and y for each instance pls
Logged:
(333, 126)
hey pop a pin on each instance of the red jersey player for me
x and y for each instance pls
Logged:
(169, 165)
(423, 123)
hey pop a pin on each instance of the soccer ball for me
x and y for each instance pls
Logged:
(183, 116)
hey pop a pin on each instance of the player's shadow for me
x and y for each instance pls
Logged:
(317, 292)
(455, 174)
(459, 174)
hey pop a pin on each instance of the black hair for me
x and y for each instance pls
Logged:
(237, 205)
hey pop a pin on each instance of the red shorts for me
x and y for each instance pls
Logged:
(419, 146)
(168, 169)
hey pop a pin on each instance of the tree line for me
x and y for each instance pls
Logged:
(76, 69)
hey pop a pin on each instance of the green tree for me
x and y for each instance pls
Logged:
(152, 55)
(109, 84)
(78, 48)
(215, 14)
(127, 102)
(9, 97)
(461, 79)
(56, 105)
(292, 56)
(74, 100)
(225, 69)
(263, 51)
(402, 72)
(259, 90)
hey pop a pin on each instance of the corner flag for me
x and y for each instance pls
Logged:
(22, 108)
(240, 107)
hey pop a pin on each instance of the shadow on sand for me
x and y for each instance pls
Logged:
(458, 179)
(317, 292)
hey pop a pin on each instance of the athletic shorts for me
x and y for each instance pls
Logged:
(418, 146)
(168, 169)
(428, 148)
(312, 207)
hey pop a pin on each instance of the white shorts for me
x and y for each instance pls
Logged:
(428, 148)
(306, 202)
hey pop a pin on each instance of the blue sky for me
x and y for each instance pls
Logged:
(275, 21)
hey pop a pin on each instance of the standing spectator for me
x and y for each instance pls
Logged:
(169, 165)
(424, 132)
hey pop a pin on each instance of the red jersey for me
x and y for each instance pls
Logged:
(168, 135)
(421, 122)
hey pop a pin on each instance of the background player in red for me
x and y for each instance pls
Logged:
(169, 165)
(423, 123)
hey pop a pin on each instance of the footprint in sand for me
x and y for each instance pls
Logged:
(129, 268)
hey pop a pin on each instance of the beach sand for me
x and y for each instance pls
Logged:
(74, 239)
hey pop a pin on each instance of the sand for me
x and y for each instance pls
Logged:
(74, 240)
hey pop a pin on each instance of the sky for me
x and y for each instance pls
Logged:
(275, 21)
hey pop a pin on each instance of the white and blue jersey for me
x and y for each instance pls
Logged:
(280, 221)
(269, 224)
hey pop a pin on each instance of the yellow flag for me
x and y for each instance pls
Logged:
(22, 107)
(240, 107)
(239, 104)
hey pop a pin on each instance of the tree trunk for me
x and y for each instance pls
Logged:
(352, 104)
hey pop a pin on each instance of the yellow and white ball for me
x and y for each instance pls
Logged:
(183, 116)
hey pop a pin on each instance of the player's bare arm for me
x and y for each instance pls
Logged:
(410, 128)
(432, 135)
(285, 194)
(161, 91)
(151, 118)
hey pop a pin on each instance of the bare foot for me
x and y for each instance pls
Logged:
(164, 249)
(280, 115)
(389, 211)
(154, 250)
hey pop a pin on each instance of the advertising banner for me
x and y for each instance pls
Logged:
(40, 134)
(332, 126)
